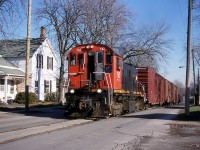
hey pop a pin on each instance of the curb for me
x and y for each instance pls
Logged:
(11, 136)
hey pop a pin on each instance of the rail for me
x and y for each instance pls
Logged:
(108, 83)
(68, 81)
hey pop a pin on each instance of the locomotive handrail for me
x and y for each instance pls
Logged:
(106, 78)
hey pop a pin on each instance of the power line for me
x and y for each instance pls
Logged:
(181, 13)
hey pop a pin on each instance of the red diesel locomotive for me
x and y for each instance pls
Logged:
(100, 83)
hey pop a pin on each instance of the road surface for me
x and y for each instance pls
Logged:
(151, 129)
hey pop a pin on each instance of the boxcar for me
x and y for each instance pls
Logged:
(159, 91)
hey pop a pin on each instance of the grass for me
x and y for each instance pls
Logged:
(194, 114)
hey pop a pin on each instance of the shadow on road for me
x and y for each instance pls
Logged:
(56, 112)
(161, 116)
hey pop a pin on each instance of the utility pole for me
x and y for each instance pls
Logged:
(187, 89)
(27, 57)
(193, 72)
(198, 88)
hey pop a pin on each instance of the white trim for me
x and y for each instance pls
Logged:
(9, 67)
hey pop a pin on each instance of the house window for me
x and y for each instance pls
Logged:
(36, 86)
(39, 61)
(72, 59)
(1, 84)
(47, 86)
(49, 62)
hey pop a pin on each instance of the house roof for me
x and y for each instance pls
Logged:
(17, 48)
(6, 68)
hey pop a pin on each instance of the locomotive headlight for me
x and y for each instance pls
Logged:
(72, 91)
(99, 90)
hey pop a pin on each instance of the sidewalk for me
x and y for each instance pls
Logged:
(19, 134)
(53, 113)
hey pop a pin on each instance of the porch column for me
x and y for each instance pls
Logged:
(5, 89)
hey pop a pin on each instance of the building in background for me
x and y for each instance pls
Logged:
(42, 65)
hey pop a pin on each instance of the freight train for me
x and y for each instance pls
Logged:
(101, 84)
(159, 90)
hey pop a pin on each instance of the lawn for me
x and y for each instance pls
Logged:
(194, 114)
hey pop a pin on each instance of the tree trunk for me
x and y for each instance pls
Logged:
(61, 80)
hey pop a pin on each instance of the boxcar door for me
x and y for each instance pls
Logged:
(99, 67)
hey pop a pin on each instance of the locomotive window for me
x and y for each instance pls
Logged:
(100, 57)
(72, 59)
(80, 59)
(108, 69)
(109, 57)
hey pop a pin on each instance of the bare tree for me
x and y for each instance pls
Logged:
(145, 46)
(80, 21)
(181, 88)
(101, 22)
(60, 17)
(9, 15)
(196, 19)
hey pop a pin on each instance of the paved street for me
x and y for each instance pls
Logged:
(150, 129)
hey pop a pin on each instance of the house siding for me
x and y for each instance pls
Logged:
(41, 74)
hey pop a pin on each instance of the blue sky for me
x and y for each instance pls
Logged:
(174, 12)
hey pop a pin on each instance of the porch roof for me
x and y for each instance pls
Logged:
(8, 69)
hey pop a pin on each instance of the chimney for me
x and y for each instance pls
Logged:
(42, 32)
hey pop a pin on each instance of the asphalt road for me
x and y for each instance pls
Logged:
(151, 129)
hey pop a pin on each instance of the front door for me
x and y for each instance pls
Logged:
(99, 67)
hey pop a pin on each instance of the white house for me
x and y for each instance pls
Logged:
(11, 79)
(42, 64)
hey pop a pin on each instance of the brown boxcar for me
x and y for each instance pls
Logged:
(167, 92)
(148, 77)
(159, 91)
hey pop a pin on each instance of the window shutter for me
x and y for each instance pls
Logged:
(44, 86)
(47, 62)
(37, 60)
(50, 86)
(42, 60)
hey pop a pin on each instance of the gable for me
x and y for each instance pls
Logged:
(45, 49)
